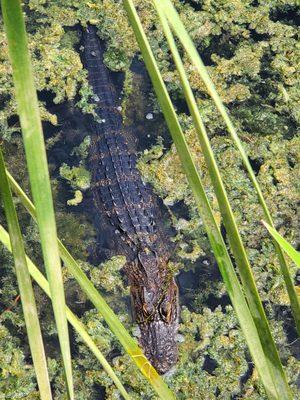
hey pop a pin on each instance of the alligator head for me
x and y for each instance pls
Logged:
(156, 308)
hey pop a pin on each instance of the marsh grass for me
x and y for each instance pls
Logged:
(72, 318)
(286, 247)
(28, 110)
(248, 308)
(265, 355)
(25, 287)
(177, 26)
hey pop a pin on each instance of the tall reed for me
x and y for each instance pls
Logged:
(265, 355)
(286, 246)
(36, 159)
(180, 31)
(74, 321)
(25, 287)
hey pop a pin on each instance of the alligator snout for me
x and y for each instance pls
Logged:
(158, 340)
(159, 329)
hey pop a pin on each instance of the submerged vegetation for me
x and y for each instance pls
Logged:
(251, 52)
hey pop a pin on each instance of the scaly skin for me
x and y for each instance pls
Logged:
(131, 208)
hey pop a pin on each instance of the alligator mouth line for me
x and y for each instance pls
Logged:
(131, 207)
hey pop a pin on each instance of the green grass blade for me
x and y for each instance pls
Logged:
(73, 319)
(250, 289)
(28, 111)
(191, 50)
(211, 226)
(284, 244)
(129, 344)
(25, 287)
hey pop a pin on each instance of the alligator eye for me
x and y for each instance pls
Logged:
(148, 302)
(146, 312)
(165, 311)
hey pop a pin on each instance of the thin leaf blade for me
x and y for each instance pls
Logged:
(28, 111)
(194, 179)
(191, 50)
(25, 287)
(239, 252)
(73, 319)
(284, 244)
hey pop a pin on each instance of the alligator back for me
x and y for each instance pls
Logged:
(105, 95)
(118, 186)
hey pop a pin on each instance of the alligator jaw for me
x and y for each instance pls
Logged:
(158, 340)
(159, 329)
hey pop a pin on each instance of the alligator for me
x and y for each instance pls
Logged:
(132, 209)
